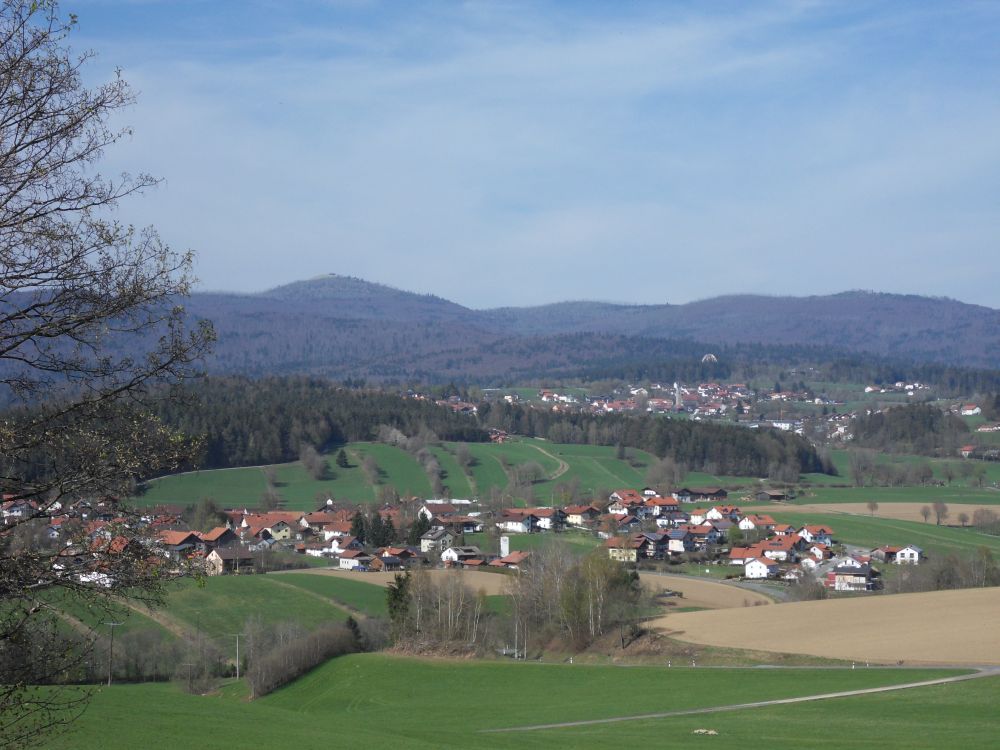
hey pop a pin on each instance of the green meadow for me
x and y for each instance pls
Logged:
(872, 531)
(594, 469)
(220, 606)
(379, 700)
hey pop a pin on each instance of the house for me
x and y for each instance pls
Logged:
(220, 536)
(781, 548)
(461, 524)
(233, 560)
(513, 561)
(723, 513)
(517, 521)
(756, 522)
(710, 494)
(967, 450)
(627, 549)
(821, 534)
(697, 515)
(680, 540)
(886, 553)
(741, 555)
(626, 496)
(785, 529)
(354, 559)
(431, 511)
(657, 506)
(549, 519)
(384, 564)
(672, 518)
(970, 410)
(460, 554)
(853, 578)
(769, 496)
(180, 543)
(436, 540)
(581, 515)
(338, 545)
(760, 567)
(909, 555)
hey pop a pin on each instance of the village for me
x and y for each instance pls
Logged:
(637, 527)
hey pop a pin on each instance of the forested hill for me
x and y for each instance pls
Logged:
(341, 327)
(248, 422)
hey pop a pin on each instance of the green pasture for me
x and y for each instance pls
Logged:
(872, 531)
(397, 468)
(220, 606)
(96, 615)
(408, 703)
(928, 495)
(455, 480)
(367, 598)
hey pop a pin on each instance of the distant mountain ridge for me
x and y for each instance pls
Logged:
(340, 325)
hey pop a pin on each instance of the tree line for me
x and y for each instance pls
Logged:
(244, 422)
(913, 428)
(699, 446)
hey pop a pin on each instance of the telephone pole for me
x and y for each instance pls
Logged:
(111, 650)
(237, 636)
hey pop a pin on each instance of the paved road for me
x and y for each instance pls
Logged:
(981, 672)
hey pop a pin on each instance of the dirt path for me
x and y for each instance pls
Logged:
(161, 619)
(560, 470)
(78, 625)
(328, 600)
(982, 672)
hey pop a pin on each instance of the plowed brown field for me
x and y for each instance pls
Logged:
(703, 593)
(940, 627)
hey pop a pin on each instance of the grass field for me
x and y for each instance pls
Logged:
(221, 605)
(594, 469)
(955, 627)
(407, 703)
(367, 598)
(874, 531)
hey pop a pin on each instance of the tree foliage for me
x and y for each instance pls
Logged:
(89, 324)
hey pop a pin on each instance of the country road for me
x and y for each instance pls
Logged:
(981, 672)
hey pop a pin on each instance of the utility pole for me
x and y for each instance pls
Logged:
(237, 636)
(111, 650)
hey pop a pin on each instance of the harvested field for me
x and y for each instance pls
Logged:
(491, 583)
(897, 511)
(940, 627)
(703, 593)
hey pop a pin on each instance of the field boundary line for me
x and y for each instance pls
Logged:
(982, 672)
(335, 603)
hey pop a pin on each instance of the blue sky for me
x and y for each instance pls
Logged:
(520, 153)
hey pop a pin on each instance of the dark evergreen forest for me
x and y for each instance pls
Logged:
(245, 422)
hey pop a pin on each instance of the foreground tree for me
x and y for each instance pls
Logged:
(90, 332)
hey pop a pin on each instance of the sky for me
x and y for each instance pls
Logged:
(509, 153)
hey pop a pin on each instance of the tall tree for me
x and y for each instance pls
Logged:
(89, 325)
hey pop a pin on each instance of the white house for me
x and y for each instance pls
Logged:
(971, 410)
(909, 555)
(517, 522)
(353, 558)
(460, 554)
(760, 567)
